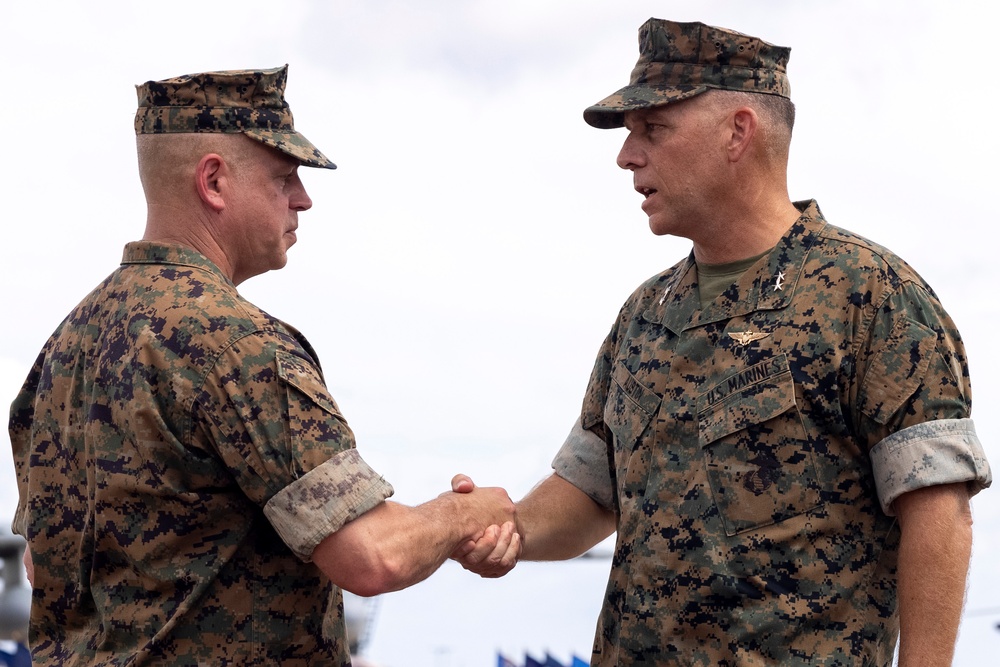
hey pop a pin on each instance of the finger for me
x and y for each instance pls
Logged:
(467, 547)
(503, 544)
(513, 553)
(462, 550)
(462, 484)
(483, 548)
(504, 556)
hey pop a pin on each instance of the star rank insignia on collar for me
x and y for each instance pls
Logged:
(747, 337)
(779, 282)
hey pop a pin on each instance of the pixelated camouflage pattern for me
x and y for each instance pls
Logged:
(153, 428)
(681, 60)
(938, 452)
(750, 530)
(247, 101)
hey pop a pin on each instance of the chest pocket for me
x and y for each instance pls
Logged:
(759, 463)
(629, 409)
(315, 425)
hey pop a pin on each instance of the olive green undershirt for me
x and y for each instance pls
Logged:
(714, 279)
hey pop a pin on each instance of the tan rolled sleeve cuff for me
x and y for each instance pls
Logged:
(946, 451)
(319, 503)
(583, 462)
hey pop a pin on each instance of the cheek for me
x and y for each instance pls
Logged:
(669, 174)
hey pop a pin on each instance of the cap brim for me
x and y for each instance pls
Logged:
(293, 144)
(610, 112)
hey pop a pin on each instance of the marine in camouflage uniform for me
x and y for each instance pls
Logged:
(757, 446)
(751, 442)
(179, 458)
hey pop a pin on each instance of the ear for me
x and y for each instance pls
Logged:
(743, 124)
(209, 178)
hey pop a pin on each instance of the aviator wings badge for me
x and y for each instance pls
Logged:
(747, 337)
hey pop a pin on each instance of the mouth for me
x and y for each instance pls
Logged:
(645, 192)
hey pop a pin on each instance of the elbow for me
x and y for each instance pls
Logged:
(370, 584)
(376, 574)
(365, 589)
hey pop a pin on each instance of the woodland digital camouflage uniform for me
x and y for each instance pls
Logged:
(160, 418)
(752, 448)
(756, 446)
(178, 455)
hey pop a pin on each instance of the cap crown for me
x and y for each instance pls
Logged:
(681, 60)
(251, 102)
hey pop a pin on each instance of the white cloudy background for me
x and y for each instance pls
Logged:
(459, 270)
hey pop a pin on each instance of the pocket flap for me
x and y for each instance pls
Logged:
(750, 396)
(303, 376)
(630, 406)
(643, 397)
(897, 370)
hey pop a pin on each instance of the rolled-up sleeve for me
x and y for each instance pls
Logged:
(324, 499)
(583, 462)
(944, 451)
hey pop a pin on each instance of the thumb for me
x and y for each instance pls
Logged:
(462, 484)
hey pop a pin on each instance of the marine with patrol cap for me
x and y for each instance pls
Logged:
(190, 492)
(779, 426)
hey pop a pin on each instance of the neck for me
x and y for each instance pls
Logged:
(166, 224)
(751, 226)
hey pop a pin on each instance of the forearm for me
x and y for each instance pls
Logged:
(394, 546)
(390, 547)
(934, 551)
(558, 521)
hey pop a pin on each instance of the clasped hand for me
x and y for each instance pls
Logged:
(495, 551)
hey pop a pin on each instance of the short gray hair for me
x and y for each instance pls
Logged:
(776, 113)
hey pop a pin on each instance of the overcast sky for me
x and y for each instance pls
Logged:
(460, 268)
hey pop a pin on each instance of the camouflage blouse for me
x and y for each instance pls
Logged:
(178, 458)
(753, 448)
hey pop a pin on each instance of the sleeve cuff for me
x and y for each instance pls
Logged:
(945, 451)
(319, 503)
(583, 462)
(19, 524)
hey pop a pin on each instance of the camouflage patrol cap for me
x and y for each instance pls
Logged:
(247, 101)
(681, 60)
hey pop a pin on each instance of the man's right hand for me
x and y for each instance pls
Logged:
(493, 553)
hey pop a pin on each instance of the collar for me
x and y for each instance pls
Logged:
(767, 285)
(152, 252)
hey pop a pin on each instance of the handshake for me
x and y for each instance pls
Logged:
(492, 551)
(555, 521)
(393, 546)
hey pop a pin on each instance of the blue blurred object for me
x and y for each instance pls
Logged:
(15, 598)
(14, 655)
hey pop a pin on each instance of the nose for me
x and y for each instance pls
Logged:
(630, 157)
(299, 199)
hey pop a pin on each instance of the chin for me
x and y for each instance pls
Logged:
(659, 229)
